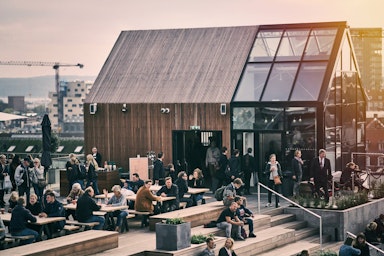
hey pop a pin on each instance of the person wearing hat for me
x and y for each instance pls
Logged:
(118, 199)
(22, 178)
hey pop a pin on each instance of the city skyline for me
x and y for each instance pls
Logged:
(85, 31)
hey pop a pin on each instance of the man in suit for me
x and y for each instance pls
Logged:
(321, 172)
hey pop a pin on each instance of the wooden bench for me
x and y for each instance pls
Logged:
(12, 241)
(197, 215)
(136, 213)
(84, 243)
(83, 225)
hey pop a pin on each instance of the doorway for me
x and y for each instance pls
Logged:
(189, 148)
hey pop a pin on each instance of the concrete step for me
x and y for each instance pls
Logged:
(292, 249)
(282, 218)
(297, 224)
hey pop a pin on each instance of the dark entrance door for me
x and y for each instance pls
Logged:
(189, 148)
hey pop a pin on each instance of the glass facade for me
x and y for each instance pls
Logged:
(300, 89)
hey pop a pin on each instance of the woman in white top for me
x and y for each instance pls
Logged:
(272, 170)
(37, 178)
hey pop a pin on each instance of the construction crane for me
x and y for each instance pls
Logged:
(56, 66)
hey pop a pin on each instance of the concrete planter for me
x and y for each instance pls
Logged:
(337, 222)
(173, 237)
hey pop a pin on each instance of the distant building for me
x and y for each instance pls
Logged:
(367, 43)
(17, 103)
(74, 93)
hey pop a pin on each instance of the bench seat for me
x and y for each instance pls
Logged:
(84, 243)
(197, 215)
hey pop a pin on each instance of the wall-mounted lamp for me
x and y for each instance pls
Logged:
(124, 108)
(300, 119)
(294, 120)
(164, 110)
(265, 120)
(223, 109)
(92, 108)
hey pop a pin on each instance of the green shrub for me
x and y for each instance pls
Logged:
(199, 239)
(174, 221)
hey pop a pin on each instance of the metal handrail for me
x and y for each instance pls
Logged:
(369, 244)
(294, 203)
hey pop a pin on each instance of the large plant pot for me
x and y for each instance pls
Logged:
(171, 237)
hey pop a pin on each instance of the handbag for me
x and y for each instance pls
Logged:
(7, 182)
(277, 180)
(41, 183)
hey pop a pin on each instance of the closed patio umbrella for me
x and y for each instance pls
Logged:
(46, 160)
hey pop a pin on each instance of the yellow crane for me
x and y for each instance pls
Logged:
(56, 66)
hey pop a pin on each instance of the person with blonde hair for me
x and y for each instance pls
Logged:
(118, 199)
(37, 178)
(92, 167)
(13, 200)
(371, 234)
(227, 249)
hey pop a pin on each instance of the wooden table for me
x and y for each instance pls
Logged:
(194, 191)
(42, 222)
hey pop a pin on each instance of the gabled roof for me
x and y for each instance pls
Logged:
(198, 65)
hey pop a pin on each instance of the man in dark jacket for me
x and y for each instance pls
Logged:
(249, 167)
(20, 217)
(158, 169)
(85, 207)
(182, 185)
(321, 173)
(169, 189)
(53, 208)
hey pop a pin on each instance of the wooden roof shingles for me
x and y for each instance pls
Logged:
(198, 65)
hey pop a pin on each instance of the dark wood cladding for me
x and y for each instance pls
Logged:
(120, 135)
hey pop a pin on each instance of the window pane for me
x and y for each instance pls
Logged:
(252, 82)
(308, 83)
(280, 82)
(243, 118)
(320, 44)
(265, 46)
(292, 45)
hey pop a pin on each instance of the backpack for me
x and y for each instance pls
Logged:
(219, 193)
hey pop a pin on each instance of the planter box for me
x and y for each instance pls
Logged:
(337, 222)
(173, 237)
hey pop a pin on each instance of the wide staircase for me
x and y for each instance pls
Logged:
(277, 234)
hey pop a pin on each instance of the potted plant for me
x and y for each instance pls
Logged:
(173, 234)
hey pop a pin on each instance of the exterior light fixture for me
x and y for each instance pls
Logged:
(164, 110)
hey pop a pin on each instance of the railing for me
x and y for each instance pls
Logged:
(295, 204)
(371, 246)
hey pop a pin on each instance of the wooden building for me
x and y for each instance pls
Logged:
(267, 87)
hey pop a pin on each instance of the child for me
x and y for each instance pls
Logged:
(244, 213)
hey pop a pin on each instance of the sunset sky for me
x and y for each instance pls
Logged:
(84, 31)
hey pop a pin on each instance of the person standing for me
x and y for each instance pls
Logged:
(97, 156)
(22, 178)
(86, 206)
(92, 174)
(210, 249)
(71, 171)
(321, 173)
(36, 174)
(235, 165)
(273, 169)
(14, 163)
(18, 224)
(248, 167)
(212, 158)
(223, 163)
(4, 171)
(297, 172)
(158, 169)
(227, 249)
